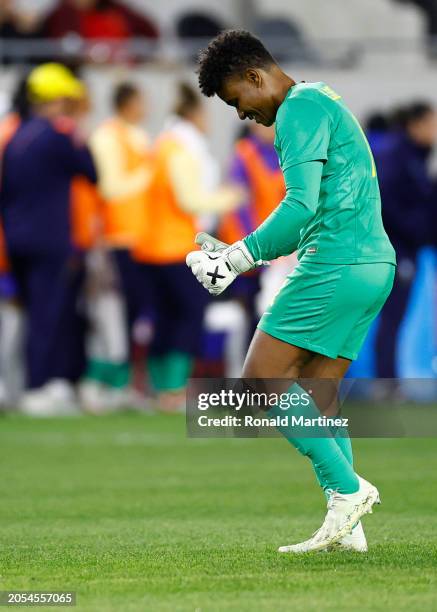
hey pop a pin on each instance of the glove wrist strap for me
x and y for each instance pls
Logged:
(239, 257)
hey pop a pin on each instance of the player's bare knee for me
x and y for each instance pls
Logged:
(262, 368)
(269, 357)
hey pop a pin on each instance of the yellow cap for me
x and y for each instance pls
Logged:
(51, 81)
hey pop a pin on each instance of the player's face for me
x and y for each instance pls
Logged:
(248, 94)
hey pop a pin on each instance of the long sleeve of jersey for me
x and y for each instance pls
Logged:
(281, 231)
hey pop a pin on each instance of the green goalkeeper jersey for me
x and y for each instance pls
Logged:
(345, 224)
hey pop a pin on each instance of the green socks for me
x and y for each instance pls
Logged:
(167, 372)
(170, 372)
(115, 375)
(341, 436)
(330, 456)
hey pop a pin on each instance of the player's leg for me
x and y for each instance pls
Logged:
(305, 312)
(350, 496)
(324, 309)
(270, 358)
(322, 367)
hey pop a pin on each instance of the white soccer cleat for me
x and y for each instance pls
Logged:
(356, 540)
(344, 511)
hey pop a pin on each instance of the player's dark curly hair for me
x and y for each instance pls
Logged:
(231, 52)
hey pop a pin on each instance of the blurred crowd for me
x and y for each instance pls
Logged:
(402, 142)
(73, 23)
(98, 310)
(89, 19)
(97, 304)
(98, 31)
(101, 31)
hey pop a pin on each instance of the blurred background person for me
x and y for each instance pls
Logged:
(39, 164)
(377, 128)
(408, 210)
(11, 317)
(10, 333)
(85, 199)
(121, 150)
(184, 186)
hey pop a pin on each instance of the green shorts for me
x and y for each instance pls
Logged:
(328, 308)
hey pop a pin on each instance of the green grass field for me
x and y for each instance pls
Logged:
(132, 515)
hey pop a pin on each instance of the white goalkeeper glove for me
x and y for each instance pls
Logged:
(218, 263)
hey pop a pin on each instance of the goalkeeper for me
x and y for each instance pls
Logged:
(331, 215)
